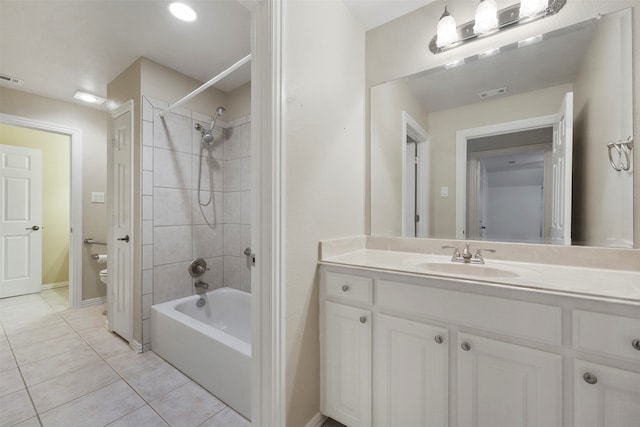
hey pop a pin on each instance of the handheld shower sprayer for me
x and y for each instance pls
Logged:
(207, 134)
(207, 138)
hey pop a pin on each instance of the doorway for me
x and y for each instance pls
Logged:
(72, 263)
(415, 183)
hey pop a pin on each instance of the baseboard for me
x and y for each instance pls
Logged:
(317, 420)
(135, 346)
(93, 301)
(54, 285)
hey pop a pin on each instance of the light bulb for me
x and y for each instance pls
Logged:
(486, 17)
(447, 33)
(530, 8)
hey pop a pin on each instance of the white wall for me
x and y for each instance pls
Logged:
(93, 124)
(324, 173)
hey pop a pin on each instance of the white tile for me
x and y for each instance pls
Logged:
(147, 301)
(211, 173)
(147, 281)
(171, 244)
(31, 422)
(142, 417)
(11, 381)
(208, 242)
(105, 343)
(214, 275)
(211, 213)
(147, 110)
(25, 338)
(49, 348)
(232, 267)
(7, 361)
(147, 232)
(233, 148)
(131, 363)
(188, 405)
(147, 158)
(171, 206)
(227, 418)
(232, 240)
(147, 134)
(147, 207)
(171, 281)
(245, 236)
(147, 183)
(157, 103)
(173, 132)
(16, 407)
(245, 207)
(239, 121)
(203, 118)
(52, 366)
(232, 207)
(171, 169)
(146, 331)
(147, 257)
(233, 175)
(156, 381)
(95, 409)
(215, 149)
(71, 385)
(245, 176)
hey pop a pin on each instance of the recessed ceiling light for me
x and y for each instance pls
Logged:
(182, 11)
(87, 97)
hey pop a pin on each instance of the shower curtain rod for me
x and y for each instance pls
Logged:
(211, 82)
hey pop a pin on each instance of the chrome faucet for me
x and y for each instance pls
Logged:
(200, 284)
(466, 255)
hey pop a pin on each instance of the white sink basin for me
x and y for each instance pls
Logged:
(468, 269)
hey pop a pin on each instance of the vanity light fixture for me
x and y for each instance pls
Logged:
(88, 97)
(182, 11)
(490, 21)
(447, 32)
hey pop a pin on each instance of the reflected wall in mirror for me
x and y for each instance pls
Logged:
(517, 143)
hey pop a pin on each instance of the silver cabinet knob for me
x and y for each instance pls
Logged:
(345, 288)
(589, 378)
(363, 319)
(438, 339)
(465, 346)
(636, 344)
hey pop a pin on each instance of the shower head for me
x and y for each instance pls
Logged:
(207, 134)
(207, 137)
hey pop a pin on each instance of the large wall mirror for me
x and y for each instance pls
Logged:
(512, 144)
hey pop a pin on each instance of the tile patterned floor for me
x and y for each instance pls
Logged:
(61, 367)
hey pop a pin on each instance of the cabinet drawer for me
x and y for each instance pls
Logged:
(606, 334)
(346, 287)
(531, 321)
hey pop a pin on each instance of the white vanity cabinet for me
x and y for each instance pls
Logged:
(412, 351)
(346, 350)
(501, 384)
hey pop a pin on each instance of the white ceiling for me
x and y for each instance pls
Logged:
(59, 46)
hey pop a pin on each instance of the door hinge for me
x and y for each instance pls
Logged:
(417, 160)
(417, 218)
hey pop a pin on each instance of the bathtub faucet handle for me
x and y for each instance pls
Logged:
(200, 284)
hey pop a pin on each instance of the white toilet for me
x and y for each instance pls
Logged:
(103, 276)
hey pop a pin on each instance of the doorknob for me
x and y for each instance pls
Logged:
(34, 228)
(124, 239)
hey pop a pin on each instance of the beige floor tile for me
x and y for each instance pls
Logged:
(31, 422)
(45, 369)
(157, 380)
(105, 343)
(7, 361)
(49, 348)
(227, 418)
(69, 386)
(23, 325)
(131, 363)
(10, 382)
(144, 416)
(15, 407)
(95, 409)
(6, 303)
(187, 406)
(25, 338)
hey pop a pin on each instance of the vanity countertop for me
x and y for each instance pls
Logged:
(592, 282)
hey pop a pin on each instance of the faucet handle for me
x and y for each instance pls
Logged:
(478, 254)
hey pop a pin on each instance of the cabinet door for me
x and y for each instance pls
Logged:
(605, 397)
(347, 364)
(411, 374)
(506, 385)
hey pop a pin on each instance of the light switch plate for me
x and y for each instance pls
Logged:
(97, 197)
(444, 191)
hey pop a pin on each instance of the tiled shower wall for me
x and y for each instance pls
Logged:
(175, 227)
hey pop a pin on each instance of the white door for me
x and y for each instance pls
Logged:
(502, 385)
(347, 365)
(410, 212)
(605, 397)
(21, 221)
(562, 159)
(120, 273)
(412, 374)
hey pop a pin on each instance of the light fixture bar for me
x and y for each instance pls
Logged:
(507, 18)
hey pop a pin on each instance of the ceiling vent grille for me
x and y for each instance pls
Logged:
(494, 92)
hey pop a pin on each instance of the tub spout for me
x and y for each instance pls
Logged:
(200, 284)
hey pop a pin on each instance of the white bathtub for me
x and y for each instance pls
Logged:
(211, 345)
